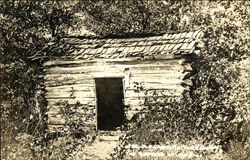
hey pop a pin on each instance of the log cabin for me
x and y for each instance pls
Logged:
(114, 78)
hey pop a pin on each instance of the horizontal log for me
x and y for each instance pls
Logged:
(154, 70)
(156, 86)
(73, 87)
(165, 75)
(141, 100)
(133, 93)
(58, 123)
(151, 97)
(69, 91)
(59, 62)
(60, 119)
(155, 79)
(108, 75)
(77, 93)
(83, 101)
(85, 116)
(65, 77)
(86, 71)
(122, 63)
(156, 67)
(112, 68)
(60, 128)
(57, 110)
(57, 83)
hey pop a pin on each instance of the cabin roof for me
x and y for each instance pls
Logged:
(110, 48)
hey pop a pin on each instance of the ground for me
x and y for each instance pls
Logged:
(101, 148)
(105, 143)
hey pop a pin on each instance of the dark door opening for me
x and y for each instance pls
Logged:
(110, 106)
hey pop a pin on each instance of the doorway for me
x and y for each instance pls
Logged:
(110, 106)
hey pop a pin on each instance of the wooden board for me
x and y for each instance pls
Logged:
(81, 93)
(128, 59)
(112, 68)
(89, 101)
(157, 79)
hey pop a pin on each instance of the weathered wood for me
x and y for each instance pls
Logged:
(143, 99)
(107, 63)
(60, 120)
(79, 62)
(108, 75)
(61, 127)
(85, 71)
(134, 95)
(154, 70)
(57, 83)
(156, 79)
(64, 77)
(166, 93)
(146, 86)
(63, 89)
(72, 87)
(54, 109)
(83, 94)
(112, 68)
(72, 81)
(85, 101)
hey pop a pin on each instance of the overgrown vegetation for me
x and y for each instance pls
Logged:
(219, 105)
(25, 28)
(219, 108)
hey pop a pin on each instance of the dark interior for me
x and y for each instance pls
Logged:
(110, 106)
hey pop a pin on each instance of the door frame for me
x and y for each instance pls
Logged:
(95, 91)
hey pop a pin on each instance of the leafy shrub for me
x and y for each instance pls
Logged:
(59, 147)
(239, 147)
(75, 123)
(21, 103)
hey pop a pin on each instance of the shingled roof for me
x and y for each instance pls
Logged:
(89, 48)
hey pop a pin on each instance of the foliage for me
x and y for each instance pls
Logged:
(59, 147)
(219, 92)
(166, 124)
(226, 23)
(217, 98)
(74, 121)
(240, 147)
(132, 17)
(63, 144)
(25, 28)
(45, 147)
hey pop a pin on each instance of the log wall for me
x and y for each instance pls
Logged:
(144, 81)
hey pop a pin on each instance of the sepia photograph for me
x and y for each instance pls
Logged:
(124, 80)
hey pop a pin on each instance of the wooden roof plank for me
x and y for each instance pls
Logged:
(125, 47)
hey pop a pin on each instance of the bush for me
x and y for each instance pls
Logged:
(75, 123)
